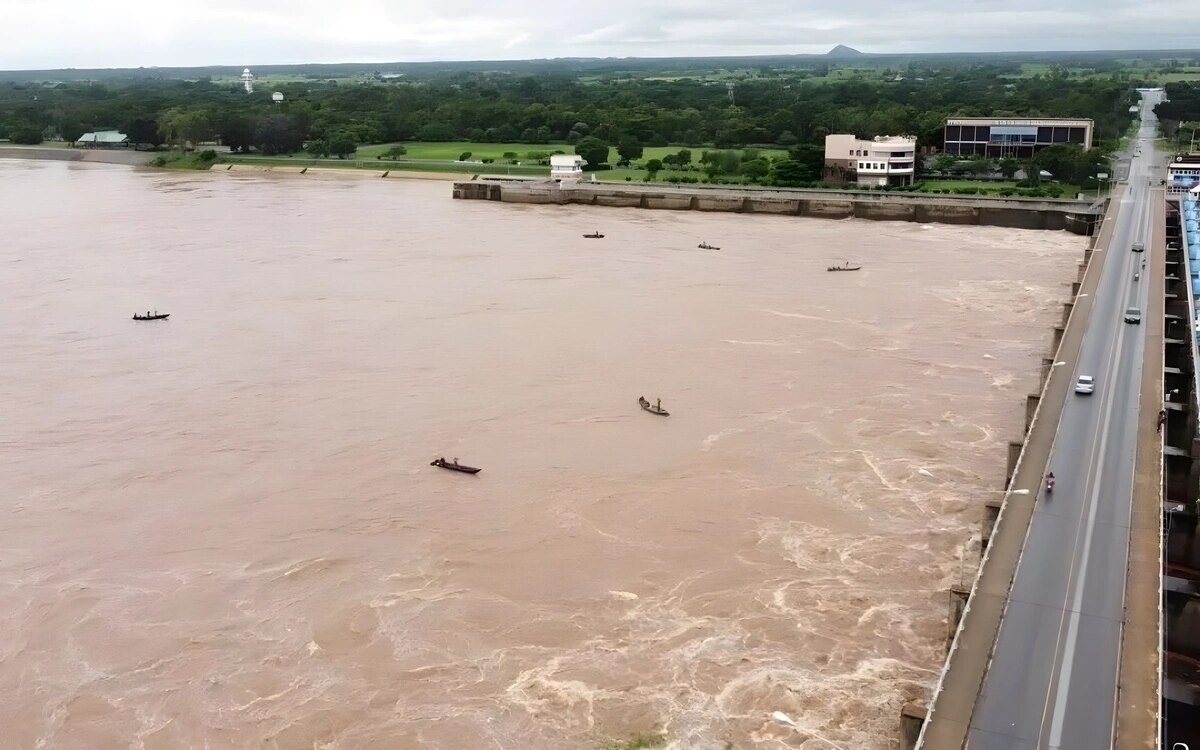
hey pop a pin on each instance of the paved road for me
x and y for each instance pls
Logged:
(1052, 681)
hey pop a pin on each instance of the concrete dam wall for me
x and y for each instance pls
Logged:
(1079, 217)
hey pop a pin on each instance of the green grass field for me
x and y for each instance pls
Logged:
(270, 79)
(381, 166)
(985, 184)
(1138, 70)
(447, 152)
(1068, 191)
(450, 150)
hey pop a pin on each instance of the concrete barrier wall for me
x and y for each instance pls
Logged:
(940, 214)
(773, 205)
(530, 196)
(1079, 223)
(886, 211)
(619, 200)
(711, 203)
(282, 169)
(476, 191)
(671, 202)
(826, 205)
(1014, 218)
(827, 209)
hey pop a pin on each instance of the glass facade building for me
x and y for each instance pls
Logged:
(996, 138)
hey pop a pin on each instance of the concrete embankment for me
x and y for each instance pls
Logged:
(139, 158)
(1079, 217)
(97, 156)
(373, 174)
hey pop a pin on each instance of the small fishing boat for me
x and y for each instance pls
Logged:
(706, 246)
(156, 316)
(653, 408)
(594, 236)
(454, 466)
(844, 267)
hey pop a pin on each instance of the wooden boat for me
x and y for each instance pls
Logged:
(653, 408)
(155, 316)
(706, 246)
(594, 236)
(454, 466)
(844, 267)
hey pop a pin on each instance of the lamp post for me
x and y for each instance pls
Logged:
(962, 551)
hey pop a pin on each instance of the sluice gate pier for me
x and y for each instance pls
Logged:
(1076, 216)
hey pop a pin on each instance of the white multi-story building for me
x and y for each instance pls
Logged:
(566, 167)
(883, 160)
(1183, 174)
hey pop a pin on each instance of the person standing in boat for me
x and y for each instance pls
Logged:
(658, 404)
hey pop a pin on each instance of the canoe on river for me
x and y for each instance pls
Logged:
(454, 466)
(653, 408)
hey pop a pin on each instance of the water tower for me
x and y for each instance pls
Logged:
(277, 97)
(248, 81)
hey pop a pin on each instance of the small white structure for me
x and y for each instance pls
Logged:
(248, 81)
(883, 160)
(566, 167)
(277, 97)
(103, 139)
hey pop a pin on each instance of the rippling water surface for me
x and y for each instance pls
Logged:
(222, 530)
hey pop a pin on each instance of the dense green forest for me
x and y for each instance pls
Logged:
(1179, 115)
(763, 107)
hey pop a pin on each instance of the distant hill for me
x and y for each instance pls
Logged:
(843, 51)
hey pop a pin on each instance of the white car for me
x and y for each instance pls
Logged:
(1085, 385)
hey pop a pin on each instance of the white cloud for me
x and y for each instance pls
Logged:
(132, 33)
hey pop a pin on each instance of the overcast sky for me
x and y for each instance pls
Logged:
(132, 33)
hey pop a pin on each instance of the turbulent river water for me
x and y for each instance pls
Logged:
(223, 529)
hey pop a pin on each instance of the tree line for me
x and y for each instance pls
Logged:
(1179, 114)
(786, 109)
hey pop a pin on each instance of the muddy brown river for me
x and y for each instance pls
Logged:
(223, 530)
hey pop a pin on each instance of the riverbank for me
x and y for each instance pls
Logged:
(144, 158)
(464, 170)
(350, 173)
(97, 156)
